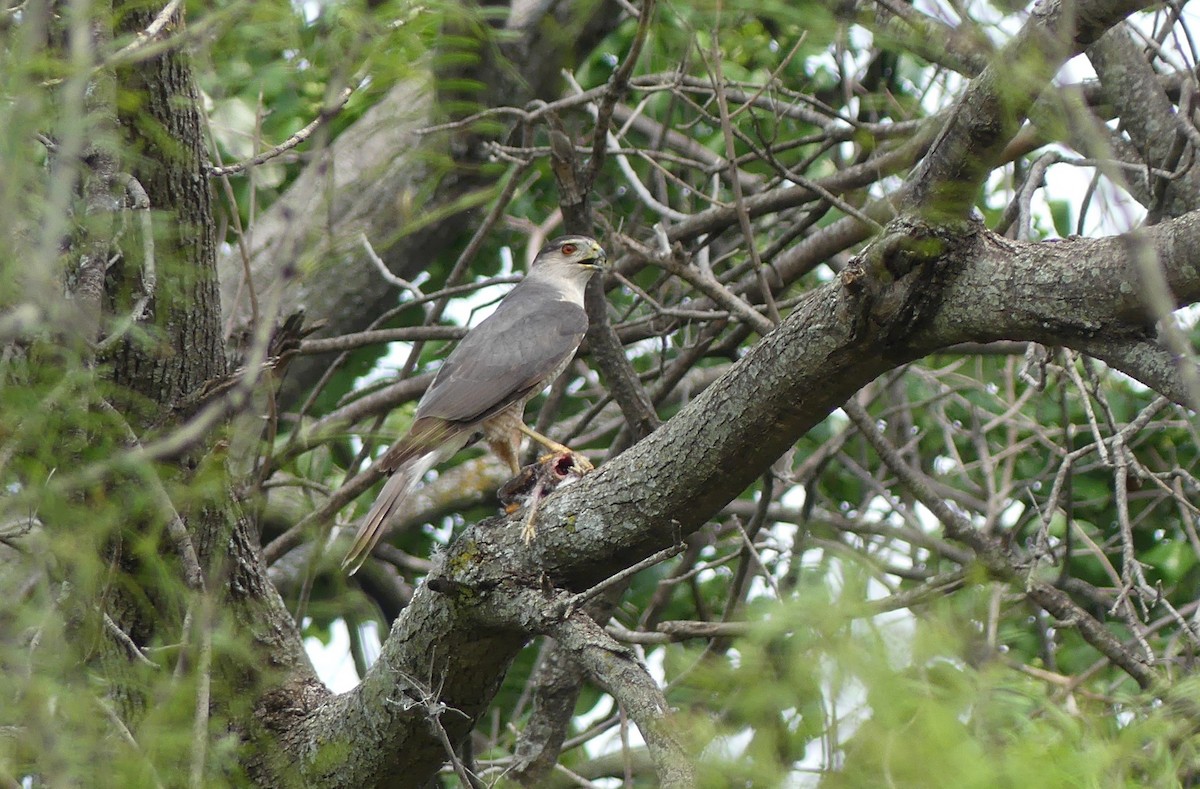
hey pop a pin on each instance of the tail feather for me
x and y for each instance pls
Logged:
(428, 443)
(395, 490)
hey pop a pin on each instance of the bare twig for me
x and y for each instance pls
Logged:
(150, 34)
(203, 693)
(617, 85)
(327, 114)
(1055, 601)
(129, 739)
(655, 558)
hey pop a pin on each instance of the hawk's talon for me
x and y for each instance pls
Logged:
(546, 475)
(529, 530)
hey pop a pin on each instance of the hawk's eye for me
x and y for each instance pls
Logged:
(567, 249)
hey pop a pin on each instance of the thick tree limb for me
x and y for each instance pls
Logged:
(617, 669)
(991, 110)
(556, 689)
(1129, 83)
(839, 338)
(918, 290)
(1146, 361)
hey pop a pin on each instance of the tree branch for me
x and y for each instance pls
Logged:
(617, 669)
(990, 112)
(669, 484)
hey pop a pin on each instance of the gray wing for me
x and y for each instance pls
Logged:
(508, 357)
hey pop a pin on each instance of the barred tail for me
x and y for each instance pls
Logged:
(395, 490)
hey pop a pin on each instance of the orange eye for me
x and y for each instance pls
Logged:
(567, 249)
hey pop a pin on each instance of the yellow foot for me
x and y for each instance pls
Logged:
(540, 480)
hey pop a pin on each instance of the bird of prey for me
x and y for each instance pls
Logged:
(483, 386)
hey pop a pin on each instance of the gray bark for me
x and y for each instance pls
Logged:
(669, 484)
(919, 289)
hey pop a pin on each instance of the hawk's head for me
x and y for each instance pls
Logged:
(574, 251)
(567, 263)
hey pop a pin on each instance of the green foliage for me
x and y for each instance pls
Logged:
(108, 653)
(907, 701)
(278, 65)
(65, 680)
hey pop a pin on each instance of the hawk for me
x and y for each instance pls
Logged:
(483, 386)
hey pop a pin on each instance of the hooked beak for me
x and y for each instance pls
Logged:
(599, 258)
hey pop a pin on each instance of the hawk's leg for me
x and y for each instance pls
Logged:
(555, 448)
(537, 481)
(529, 530)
